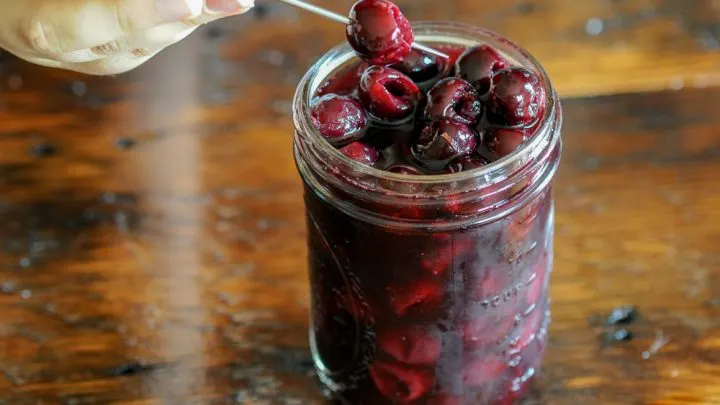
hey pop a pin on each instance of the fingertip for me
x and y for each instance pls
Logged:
(229, 6)
(176, 10)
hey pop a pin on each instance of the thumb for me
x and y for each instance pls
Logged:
(51, 27)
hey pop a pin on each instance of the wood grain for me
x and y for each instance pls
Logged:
(152, 248)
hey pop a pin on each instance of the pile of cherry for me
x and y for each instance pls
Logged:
(405, 111)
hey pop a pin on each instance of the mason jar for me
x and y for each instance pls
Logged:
(428, 289)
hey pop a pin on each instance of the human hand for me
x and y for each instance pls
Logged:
(103, 37)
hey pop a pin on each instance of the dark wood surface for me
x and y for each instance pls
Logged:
(152, 240)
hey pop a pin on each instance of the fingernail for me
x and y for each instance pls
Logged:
(176, 10)
(229, 6)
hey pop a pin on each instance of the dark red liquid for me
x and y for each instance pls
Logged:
(429, 318)
(426, 317)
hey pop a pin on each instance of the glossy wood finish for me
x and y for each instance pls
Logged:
(152, 246)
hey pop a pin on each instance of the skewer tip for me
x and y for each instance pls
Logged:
(427, 49)
(345, 20)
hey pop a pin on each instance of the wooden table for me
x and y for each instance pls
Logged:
(152, 241)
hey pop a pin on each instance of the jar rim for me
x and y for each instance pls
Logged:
(430, 32)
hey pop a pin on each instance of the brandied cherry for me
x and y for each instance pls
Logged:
(437, 262)
(483, 370)
(379, 32)
(405, 187)
(445, 399)
(423, 68)
(517, 97)
(504, 141)
(401, 383)
(388, 94)
(413, 345)
(466, 163)
(455, 99)
(487, 330)
(478, 64)
(339, 118)
(361, 152)
(493, 287)
(443, 252)
(526, 220)
(419, 296)
(402, 168)
(442, 141)
(345, 81)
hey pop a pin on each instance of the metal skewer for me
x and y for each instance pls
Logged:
(345, 20)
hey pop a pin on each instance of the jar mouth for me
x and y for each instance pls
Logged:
(430, 33)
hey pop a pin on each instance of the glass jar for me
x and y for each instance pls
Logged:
(428, 289)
